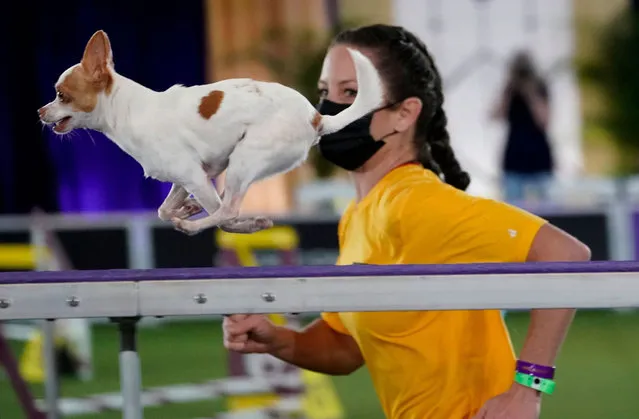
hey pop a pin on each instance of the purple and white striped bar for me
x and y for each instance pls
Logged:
(205, 291)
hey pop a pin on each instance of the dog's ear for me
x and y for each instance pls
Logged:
(97, 54)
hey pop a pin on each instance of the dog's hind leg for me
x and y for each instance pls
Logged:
(206, 195)
(255, 158)
(246, 225)
(188, 207)
(238, 225)
(218, 215)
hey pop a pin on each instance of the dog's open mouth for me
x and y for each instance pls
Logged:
(61, 125)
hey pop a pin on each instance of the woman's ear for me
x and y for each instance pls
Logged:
(408, 113)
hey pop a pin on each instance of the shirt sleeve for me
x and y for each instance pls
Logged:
(335, 322)
(454, 227)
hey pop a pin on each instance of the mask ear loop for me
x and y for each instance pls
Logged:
(387, 135)
(389, 105)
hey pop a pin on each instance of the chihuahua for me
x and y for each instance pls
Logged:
(189, 135)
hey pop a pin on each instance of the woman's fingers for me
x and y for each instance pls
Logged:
(237, 328)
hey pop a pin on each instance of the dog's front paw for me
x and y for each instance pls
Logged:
(185, 226)
(190, 208)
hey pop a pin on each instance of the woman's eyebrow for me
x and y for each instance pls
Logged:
(340, 83)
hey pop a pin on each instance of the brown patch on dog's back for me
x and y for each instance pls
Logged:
(80, 89)
(317, 121)
(210, 104)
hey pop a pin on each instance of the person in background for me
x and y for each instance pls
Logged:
(524, 105)
(411, 208)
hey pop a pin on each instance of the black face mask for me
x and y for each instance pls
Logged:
(353, 145)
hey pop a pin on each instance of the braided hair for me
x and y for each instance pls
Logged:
(408, 70)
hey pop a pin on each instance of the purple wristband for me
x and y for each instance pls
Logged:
(540, 371)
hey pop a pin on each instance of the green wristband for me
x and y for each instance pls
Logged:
(540, 384)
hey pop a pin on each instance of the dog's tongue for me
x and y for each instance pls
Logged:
(62, 124)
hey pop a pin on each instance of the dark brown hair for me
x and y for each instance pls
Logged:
(408, 70)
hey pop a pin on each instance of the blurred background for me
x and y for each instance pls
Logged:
(86, 204)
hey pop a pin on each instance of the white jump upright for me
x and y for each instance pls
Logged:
(127, 295)
(130, 369)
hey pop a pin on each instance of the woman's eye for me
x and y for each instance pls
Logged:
(350, 92)
(322, 92)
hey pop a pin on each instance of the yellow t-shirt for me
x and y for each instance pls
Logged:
(434, 364)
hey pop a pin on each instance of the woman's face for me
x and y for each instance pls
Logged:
(338, 83)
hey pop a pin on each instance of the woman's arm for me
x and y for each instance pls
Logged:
(318, 348)
(500, 108)
(546, 332)
(537, 98)
(548, 328)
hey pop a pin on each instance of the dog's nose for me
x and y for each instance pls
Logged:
(41, 112)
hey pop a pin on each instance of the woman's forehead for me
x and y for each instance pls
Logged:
(338, 66)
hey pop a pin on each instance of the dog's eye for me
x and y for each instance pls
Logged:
(61, 96)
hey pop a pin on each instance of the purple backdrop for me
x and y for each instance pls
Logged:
(94, 175)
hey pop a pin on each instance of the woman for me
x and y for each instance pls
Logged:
(426, 365)
(527, 162)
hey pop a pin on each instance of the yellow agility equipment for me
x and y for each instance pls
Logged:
(21, 256)
(25, 257)
(319, 399)
(276, 238)
(31, 361)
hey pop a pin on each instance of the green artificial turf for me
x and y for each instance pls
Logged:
(596, 370)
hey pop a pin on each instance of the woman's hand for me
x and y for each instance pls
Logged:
(249, 333)
(517, 403)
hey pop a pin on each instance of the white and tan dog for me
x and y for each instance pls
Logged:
(189, 135)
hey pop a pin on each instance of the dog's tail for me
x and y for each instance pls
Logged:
(370, 96)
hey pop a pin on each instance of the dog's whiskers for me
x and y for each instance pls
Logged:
(90, 136)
